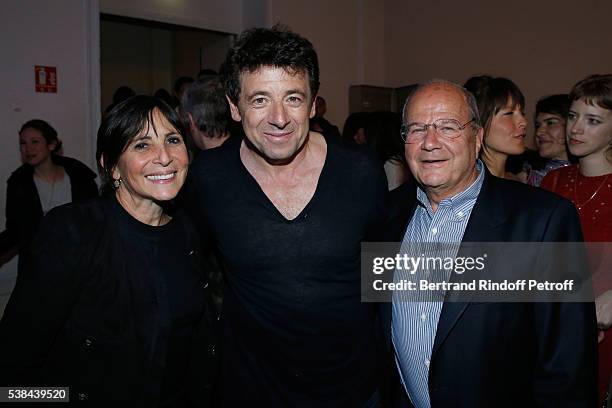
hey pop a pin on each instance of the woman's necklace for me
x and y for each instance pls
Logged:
(580, 206)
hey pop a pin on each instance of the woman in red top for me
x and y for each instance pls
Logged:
(589, 186)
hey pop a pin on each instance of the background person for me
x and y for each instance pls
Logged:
(353, 130)
(206, 113)
(501, 105)
(588, 185)
(164, 95)
(110, 302)
(121, 94)
(550, 117)
(321, 125)
(180, 86)
(45, 180)
(382, 131)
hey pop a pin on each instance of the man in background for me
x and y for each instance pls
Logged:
(205, 112)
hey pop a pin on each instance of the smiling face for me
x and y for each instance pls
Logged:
(34, 148)
(153, 167)
(274, 108)
(550, 136)
(506, 133)
(444, 167)
(589, 129)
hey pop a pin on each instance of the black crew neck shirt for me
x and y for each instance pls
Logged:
(179, 294)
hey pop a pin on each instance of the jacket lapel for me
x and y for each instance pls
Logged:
(486, 221)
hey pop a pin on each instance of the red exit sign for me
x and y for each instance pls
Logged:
(45, 79)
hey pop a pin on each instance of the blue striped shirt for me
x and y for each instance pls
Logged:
(414, 323)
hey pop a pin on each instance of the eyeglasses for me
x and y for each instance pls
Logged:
(446, 128)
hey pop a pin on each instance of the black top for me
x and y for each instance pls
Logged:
(181, 302)
(295, 331)
(108, 306)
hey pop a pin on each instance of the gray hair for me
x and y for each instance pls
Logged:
(205, 100)
(469, 98)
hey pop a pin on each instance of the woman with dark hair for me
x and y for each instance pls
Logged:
(589, 186)
(382, 133)
(111, 301)
(121, 94)
(164, 95)
(501, 105)
(45, 180)
(353, 130)
(550, 117)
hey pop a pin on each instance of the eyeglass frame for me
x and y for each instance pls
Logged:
(404, 129)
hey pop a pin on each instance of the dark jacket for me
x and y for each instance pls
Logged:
(23, 208)
(507, 354)
(86, 313)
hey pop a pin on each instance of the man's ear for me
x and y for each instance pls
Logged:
(234, 110)
(192, 125)
(313, 107)
(479, 137)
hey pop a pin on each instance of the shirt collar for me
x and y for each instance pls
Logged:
(461, 203)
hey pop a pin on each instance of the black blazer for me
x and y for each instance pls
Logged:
(507, 354)
(23, 209)
(85, 313)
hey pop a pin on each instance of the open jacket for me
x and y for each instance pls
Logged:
(506, 354)
(85, 313)
(23, 209)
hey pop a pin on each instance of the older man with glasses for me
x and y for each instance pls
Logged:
(485, 354)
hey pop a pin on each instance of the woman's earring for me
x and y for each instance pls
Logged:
(117, 183)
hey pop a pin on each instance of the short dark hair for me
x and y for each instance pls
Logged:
(47, 131)
(492, 95)
(205, 101)
(595, 90)
(274, 47)
(122, 93)
(354, 122)
(382, 133)
(554, 104)
(164, 95)
(207, 73)
(121, 125)
(180, 82)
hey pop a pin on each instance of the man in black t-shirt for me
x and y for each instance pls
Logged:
(288, 212)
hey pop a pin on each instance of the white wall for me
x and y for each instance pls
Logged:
(256, 13)
(347, 35)
(65, 34)
(58, 34)
(195, 50)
